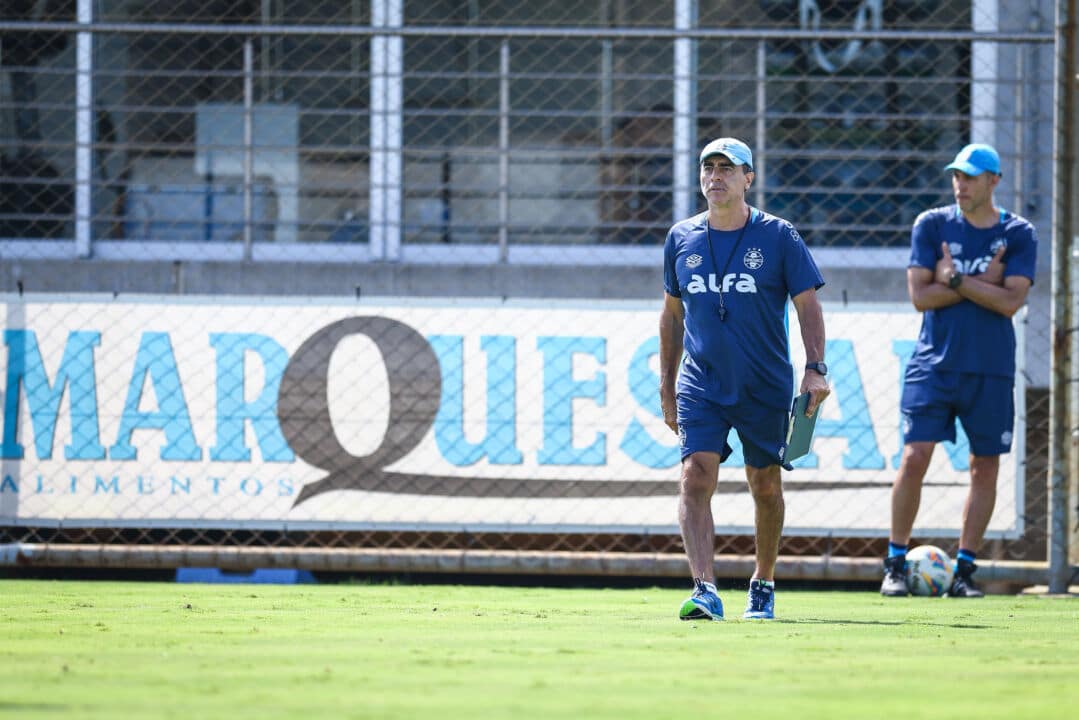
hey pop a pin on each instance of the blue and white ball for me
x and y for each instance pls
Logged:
(929, 571)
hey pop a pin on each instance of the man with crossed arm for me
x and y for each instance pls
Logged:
(971, 266)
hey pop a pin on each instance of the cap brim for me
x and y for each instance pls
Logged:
(733, 159)
(966, 168)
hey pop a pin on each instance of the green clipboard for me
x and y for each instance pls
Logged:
(799, 431)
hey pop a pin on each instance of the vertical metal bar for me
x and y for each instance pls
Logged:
(1018, 187)
(606, 127)
(377, 140)
(1033, 184)
(387, 69)
(760, 154)
(606, 176)
(394, 128)
(84, 129)
(984, 73)
(355, 61)
(266, 53)
(685, 111)
(1021, 324)
(474, 68)
(249, 141)
(1070, 499)
(504, 151)
(606, 81)
(606, 94)
(1061, 439)
(446, 199)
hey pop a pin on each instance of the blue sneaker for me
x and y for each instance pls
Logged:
(762, 601)
(703, 604)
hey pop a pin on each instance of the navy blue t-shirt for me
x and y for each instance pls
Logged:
(746, 356)
(967, 337)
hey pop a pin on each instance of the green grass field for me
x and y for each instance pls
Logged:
(162, 650)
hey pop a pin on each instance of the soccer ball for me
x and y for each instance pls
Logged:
(929, 571)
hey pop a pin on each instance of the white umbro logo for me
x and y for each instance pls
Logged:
(694, 261)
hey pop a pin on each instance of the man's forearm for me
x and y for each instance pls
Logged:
(934, 296)
(1004, 300)
(670, 348)
(811, 322)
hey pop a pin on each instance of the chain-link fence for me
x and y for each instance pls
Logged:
(421, 149)
(505, 123)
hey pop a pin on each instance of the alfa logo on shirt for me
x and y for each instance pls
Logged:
(732, 282)
(978, 265)
(974, 266)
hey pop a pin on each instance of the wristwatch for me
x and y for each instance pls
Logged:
(818, 367)
(955, 279)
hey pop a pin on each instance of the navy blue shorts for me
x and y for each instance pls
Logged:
(703, 426)
(984, 404)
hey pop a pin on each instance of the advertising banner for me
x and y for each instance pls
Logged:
(532, 416)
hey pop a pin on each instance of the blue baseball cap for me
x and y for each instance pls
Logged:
(975, 159)
(734, 150)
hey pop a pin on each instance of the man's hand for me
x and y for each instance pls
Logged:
(994, 274)
(670, 409)
(817, 386)
(811, 320)
(945, 266)
(671, 330)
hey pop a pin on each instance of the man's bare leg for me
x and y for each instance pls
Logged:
(907, 490)
(981, 499)
(766, 486)
(699, 475)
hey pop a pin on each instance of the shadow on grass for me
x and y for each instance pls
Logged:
(886, 623)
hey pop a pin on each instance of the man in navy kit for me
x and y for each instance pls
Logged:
(971, 265)
(725, 362)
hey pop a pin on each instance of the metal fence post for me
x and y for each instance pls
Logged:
(503, 150)
(248, 161)
(84, 128)
(685, 111)
(385, 145)
(1060, 435)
